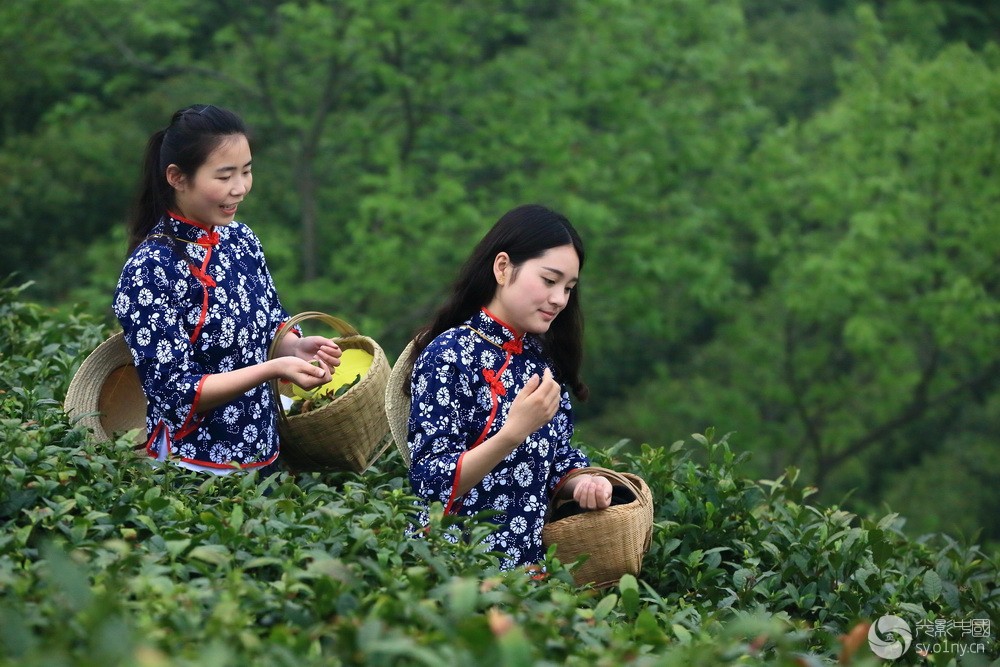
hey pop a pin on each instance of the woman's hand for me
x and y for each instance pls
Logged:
(533, 407)
(305, 374)
(220, 388)
(318, 347)
(593, 492)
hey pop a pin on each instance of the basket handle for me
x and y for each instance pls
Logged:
(345, 329)
(612, 475)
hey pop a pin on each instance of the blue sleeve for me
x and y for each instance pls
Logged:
(567, 456)
(149, 305)
(439, 427)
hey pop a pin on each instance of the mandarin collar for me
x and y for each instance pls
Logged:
(497, 331)
(186, 229)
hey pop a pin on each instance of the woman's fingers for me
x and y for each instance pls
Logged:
(330, 357)
(535, 404)
(550, 392)
(531, 385)
(318, 347)
(593, 493)
(309, 374)
(603, 493)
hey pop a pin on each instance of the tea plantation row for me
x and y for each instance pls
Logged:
(106, 560)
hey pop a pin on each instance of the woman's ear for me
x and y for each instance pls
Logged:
(175, 177)
(502, 268)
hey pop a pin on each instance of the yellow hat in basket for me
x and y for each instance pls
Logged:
(354, 364)
(397, 402)
(105, 394)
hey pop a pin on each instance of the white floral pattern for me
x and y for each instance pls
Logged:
(450, 406)
(159, 304)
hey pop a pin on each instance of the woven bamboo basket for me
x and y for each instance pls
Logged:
(397, 402)
(351, 431)
(615, 538)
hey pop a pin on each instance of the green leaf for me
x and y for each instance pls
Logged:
(629, 588)
(648, 629)
(214, 554)
(330, 567)
(261, 561)
(236, 517)
(915, 610)
(880, 546)
(177, 547)
(932, 584)
(516, 649)
(670, 545)
(463, 592)
(605, 606)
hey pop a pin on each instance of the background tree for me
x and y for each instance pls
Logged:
(872, 331)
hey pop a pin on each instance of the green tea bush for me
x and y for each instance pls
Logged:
(107, 559)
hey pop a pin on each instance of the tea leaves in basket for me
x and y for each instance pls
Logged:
(302, 405)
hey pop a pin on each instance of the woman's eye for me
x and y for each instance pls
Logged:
(549, 282)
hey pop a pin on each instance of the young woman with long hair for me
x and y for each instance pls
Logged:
(491, 419)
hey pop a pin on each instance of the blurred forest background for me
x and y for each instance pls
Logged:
(790, 206)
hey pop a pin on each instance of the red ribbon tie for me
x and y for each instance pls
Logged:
(495, 384)
(202, 276)
(513, 346)
(208, 240)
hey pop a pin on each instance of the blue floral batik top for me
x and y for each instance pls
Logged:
(194, 301)
(462, 387)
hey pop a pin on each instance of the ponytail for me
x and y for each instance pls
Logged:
(155, 195)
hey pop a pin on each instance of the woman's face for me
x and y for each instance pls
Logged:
(213, 195)
(529, 297)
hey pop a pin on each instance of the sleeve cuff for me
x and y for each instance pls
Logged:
(451, 506)
(193, 420)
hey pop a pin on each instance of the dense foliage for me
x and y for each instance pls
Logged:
(107, 560)
(790, 207)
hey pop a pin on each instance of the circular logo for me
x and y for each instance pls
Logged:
(889, 637)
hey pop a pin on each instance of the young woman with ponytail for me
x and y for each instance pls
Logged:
(198, 306)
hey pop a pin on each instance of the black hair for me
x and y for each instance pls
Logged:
(193, 133)
(524, 233)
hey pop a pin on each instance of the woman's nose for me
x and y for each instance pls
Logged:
(241, 185)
